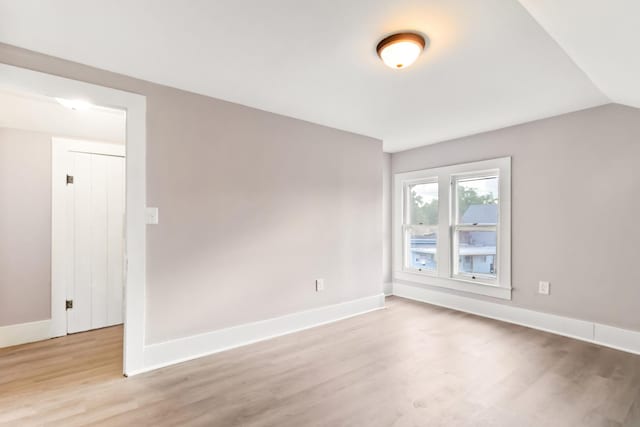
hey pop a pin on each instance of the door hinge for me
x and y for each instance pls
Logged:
(69, 304)
(69, 179)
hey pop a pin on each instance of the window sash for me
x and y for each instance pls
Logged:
(457, 227)
(407, 231)
(490, 279)
(470, 176)
(406, 220)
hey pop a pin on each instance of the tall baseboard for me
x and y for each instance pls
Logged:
(618, 338)
(183, 349)
(387, 288)
(23, 333)
(609, 336)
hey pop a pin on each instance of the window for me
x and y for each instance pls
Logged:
(475, 227)
(452, 227)
(420, 228)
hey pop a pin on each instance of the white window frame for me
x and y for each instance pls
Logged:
(445, 275)
(456, 226)
(407, 226)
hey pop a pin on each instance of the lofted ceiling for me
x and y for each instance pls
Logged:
(489, 64)
(602, 37)
(26, 111)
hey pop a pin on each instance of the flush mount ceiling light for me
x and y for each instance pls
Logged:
(74, 104)
(400, 50)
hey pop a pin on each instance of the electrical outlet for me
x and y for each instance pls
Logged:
(319, 285)
(544, 288)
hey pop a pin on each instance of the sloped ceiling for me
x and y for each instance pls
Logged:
(601, 37)
(489, 63)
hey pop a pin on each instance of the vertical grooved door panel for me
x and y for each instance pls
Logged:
(99, 242)
(95, 233)
(115, 236)
(79, 318)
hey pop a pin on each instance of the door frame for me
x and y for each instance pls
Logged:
(22, 79)
(59, 242)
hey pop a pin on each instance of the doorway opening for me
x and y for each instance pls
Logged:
(96, 215)
(63, 216)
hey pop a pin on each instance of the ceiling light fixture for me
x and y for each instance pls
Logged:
(74, 104)
(400, 50)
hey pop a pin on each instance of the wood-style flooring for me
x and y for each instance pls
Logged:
(411, 364)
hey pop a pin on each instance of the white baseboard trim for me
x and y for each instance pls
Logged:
(387, 289)
(183, 349)
(23, 333)
(617, 338)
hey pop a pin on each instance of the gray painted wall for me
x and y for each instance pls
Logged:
(25, 226)
(253, 207)
(575, 203)
(386, 223)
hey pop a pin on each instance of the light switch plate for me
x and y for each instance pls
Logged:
(319, 285)
(544, 288)
(151, 215)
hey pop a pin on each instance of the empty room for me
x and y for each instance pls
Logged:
(331, 213)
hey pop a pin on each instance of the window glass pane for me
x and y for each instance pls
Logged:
(477, 200)
(423, 203)
(477, 252)
(422, 250)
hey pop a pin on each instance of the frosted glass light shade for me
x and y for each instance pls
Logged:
(400, 50)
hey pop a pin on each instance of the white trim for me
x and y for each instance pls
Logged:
(443, 276)
(457, 284)
(59, 147)
(188, 348)
(618, 338)
(23, 333)
(608, 336)
(387, 289)
(16, 78)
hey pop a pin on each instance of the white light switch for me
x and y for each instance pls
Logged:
(544, 288)
(319, 285)
(151, 215)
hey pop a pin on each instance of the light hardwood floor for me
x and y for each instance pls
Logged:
(409, 365)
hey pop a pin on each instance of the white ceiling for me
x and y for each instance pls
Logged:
(602, 37)
(42, 114)
(489, 65)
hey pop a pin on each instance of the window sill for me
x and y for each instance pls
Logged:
(455, 284)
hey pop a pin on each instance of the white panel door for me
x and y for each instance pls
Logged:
(95, 239)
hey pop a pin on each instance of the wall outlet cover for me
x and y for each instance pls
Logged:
(544, 288)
